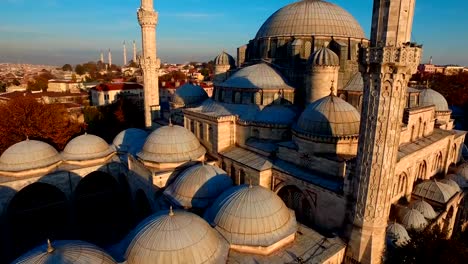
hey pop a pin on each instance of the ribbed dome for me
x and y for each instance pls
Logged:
(66, 252)
(330, 116)
(225, 59)
(424, 208)
(86, 147)
(130, 140)
(258, 76)
(460, 180)
(435, 191)
(463, 171)
(398, 234)
(198, 186)
(171, 144)
(431, 97)
(251, 216)
(324, 57)
(356, 84)
(311, 18)
(178, 238)
(275, 114)
(413, 219)
(28, 155)
(189, 94)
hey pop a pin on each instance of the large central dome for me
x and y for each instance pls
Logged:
(311, 18)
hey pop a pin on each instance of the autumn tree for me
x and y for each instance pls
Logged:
(2, 87)
(67, 67)
(24, 117)
(40, 82)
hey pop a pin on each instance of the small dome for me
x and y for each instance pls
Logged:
(86, 147)
(431, 97)
(435, 191)
(452, 184)
(276, 114)
(189, 94)
(424, 208)
(460, 180)
(130, 140)
(397, 234)
(66, 252)
(413, 219)
(258, 76)
(463, 171)
(225, 59)
(311, 18)
(198, 186)
(251, 216)
(330, 116)
(356, 84)
(178, 237)
(171, 144)
(324, 57)
(28, 155)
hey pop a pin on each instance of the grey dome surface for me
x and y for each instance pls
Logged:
(311, 18)
(435, 191)
(324, 57)
(198, 186)
(66, 252)
(225, 59)
(171, 144)
(463, 171)
(413, 219)
(130, 140)
(452, 184)
(460, 180)
(251, 216)
(356, 84)
(258, 76)
(330, 116)
(398, 234)
(28, 155)
(275, 114)
(431, 97)
(86, 147)
(178, 238)
(424, 208)
(189, 94)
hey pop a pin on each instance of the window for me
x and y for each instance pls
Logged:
(201, 131)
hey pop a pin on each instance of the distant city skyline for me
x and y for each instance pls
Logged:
(57, 32)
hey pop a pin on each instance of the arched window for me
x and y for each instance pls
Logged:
(237, 97)
(242, 177)
(201, 131)
(412, 133)
(233, 173)
(210, 134)
(256, 133)
(223, 166)
(403, 182)
(192, 126)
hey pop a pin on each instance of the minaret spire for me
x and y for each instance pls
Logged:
(134, 52)
(102, 57)
(124, 54)
(149, 61)
(109, 55)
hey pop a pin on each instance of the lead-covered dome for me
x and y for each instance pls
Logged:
(435, 191)
(424, 208)
(176, 237)
(431, 97)
(251, 216)
(86, 147)
(276, 114)
(463, 171)
(324, 57)
(330, 116)
(130, 140)
(66, 252)
(397, 234)
(198, 186)
(171, 144)
(189, 94)
(311, 18)
(460, 180)
(413, 219)
(225, 59)
(28, 155)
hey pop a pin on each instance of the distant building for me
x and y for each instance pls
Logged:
(64, 86)
(108, 93)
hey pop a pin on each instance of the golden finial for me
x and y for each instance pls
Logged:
(50, 249)
(171, 212)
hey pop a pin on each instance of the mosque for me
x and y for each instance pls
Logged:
(312, 149)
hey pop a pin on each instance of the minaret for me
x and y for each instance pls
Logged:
(387, 66)
(124, 54)
(149, 62)
(102, 57)
(109, 55)
(134, 52)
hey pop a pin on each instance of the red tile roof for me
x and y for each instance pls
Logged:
(104, 87)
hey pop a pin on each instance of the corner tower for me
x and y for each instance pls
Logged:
(149, 62)
(387, 65)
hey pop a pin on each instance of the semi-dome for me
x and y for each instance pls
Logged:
(198, 186)
(431, 97)
(130, 140)
(324, 57)
(463, 171)
(86, 147)
(397, 234)
(171, 144)
(252, 216)
(225, 59)
(451, 183)
(28, 155)
(311, 18)
(413, 219)
(176, 237)
(276, 114)
(435, 191)
(66, 252)
(424, 208)
(258, 76)
(330, 116)
(460, 180)
(189, 94)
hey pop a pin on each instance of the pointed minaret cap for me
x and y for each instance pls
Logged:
(50, 249)
(171, 212)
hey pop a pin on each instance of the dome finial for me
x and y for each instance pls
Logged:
(50, 249)
(170, 122)
(332, 88)
(171, 212)
(27, 138)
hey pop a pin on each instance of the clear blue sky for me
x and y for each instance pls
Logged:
(66, 31)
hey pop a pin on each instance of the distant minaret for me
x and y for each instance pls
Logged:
(430, 60)
(124, 54)
(110, 58)
(149, 61)
(102, 57)
(134, 52)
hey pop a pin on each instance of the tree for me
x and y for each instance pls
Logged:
(24, 117)
(16, 82)
(67, 67)
(79, 69)
(41, 82)
(132, 64)
(2, 87)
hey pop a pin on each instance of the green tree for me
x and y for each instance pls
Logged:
(79, 69)
(67, 67)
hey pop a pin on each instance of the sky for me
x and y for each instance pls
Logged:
(56, 32)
